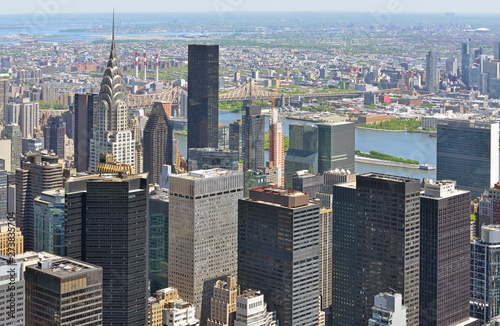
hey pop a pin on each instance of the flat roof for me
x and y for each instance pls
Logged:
(205, 174)
(388, 177)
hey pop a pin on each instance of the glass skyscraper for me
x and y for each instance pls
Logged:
(467, 152)
(203, 96)
(336, 146)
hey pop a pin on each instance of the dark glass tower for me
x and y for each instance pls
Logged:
(387, 242)
(336, 146)
(84, 122)
(203, 96)
(54, 133)
(278, 252)
(157, 142)
(467, 59)
(444, 254)
(253, 138)
(107, 225)
(303, 151)
(467, 152)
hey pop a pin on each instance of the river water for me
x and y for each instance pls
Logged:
(413, 146)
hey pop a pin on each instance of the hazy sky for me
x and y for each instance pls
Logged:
(72, 6)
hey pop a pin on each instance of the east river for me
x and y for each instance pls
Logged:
(415, 146)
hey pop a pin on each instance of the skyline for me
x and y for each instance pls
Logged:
(199, 6)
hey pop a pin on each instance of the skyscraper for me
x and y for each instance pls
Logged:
(276, 150)
(484, 284)
(467, 152)
(203, 96)
(387, 242)
(84, 122)
(157, 142)
(111, 133)
(3, 194)
(496, 50)
(336, 146)
(203, 233)
(39, 173)
(13, 132)
(444, 255)
(49, 222)
(109, 214)
(12, 285)
(302, 153)
(63, 291)
(252, 135)
(25, 114)
(235, 136)
(54, 132)
(278, 251)
(467, 59)
(431, 72)
(158, 239)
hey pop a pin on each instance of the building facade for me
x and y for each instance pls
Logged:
(203, 96)
(278, 251)
(336, 146)
(54, 132)
(387, 242)
(85, 104)
(252, 135)
(204, 249)
(38, 173)
(111, 133)
(13, 132)
(63, 291)
(388, 310)
(431, 72)
(276, 151)
(251, 310)
(12, 287)
(467, 152)
(212, 158)
(157, 142)
(49, 222)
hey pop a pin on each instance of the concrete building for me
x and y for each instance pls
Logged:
(62, 291)
(336, 146)
(251, 310)
(13, 132)
(49, 222)
(431, 72)
(252, 136)
(4, 190)
(385, 249)
(33, 145)
(6, 153)
(24, 113)
(204, 250)
(167, 308)
(6, 240)
(484, 283)
(444, 254)
(38, 173)
(276, 149)
(12, 287)
(325, 258)
(111, 133)
(388, 310)
(212, 158)
(223, 303)
(287, 222)
(467, 152)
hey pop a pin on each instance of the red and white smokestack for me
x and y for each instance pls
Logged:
(137, 65)
(157, 67)
(145, 67)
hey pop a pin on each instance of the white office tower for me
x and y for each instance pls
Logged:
(388, 310)
(180, 313)
(203, 233)
(251, 310)
(12, 300)
(111, 129)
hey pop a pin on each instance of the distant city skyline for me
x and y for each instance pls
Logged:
(129, 6)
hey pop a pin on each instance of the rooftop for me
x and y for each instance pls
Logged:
(388, 177)
(248, 294)
(205, 174)
(61, 266)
